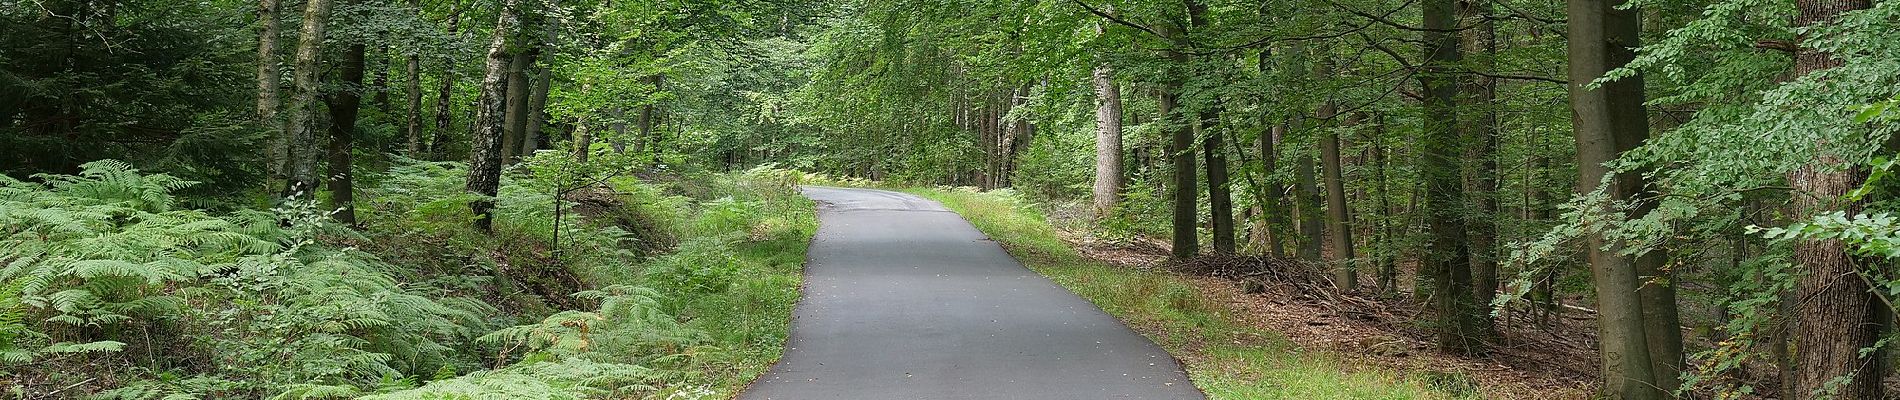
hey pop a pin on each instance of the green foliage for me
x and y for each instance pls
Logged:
(101, 260)
(1224, 354)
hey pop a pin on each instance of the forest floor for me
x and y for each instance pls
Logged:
(1525, 361)
(1283, 342)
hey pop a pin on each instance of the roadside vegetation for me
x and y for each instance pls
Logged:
(674, 286)
(1226, 357)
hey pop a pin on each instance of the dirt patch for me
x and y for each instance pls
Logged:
(1534, 356)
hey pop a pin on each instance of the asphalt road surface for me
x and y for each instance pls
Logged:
(903, 299)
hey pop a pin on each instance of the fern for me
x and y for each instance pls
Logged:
(92, 257)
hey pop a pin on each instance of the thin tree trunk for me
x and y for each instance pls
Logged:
(268, 80)
(484, 164)
(1307, 205)
(619, 140)
(644, 121)
(1448, 256)
(1836, 309)
(382, 78)
(1388, 272)
(445, 95)
(299, 127)
(343, 109)
(515, 118)
(1338, 216)
(533, 137)
(1220, 200)
(1277, 214)
(1186, 238)
(412, 89)
(1108, 141)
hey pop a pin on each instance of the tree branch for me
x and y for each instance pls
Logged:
(1117, 20)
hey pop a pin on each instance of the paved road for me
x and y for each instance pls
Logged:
(905, 300)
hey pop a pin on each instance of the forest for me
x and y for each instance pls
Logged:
(567, 199)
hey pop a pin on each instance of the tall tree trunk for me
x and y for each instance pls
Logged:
(1108, 141)
(644, 121)
(1273, 204)
(1388, 271)
(268, 79)
(532, 138)
(343, 109)
(619, 140)
(1307, 204)
(1608, 121)
(445, 95)
(1447, 258)
(515, 118)
(584, 131)
(302, 153)
(1481, 147)
(484, 156)
(1836, 309)
(1338, 216)
(1220, 200)
(1186, 238)
(381, 83)
(412, 89)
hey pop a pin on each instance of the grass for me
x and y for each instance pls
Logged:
(1226, 357)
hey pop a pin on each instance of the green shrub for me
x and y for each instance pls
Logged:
(702, 265)
(244, 304)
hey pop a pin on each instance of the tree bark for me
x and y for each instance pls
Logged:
(301, 165)
(1306, 203)
(533, 138)
(1338, 216)
(1836, 309)
(268, 80)
(1481, 147)
(1608, 121)
(1448, 257)
(1108, 141)
(1220, 200)
(412, 89)
(1186, 237)
(1274, 204)
(445, 95)
(1388, 271)
(515, 119)
(343, 109)
(484, 163)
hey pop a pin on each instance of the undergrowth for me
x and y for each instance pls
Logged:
(115, 289)
(1226, 357)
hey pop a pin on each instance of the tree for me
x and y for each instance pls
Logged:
(412, 91)
(1837, 310)
(485, 154)
(1608, 121)
(1338, 216)
(344, 105)
(1220, 199)
(1447, 259)
(1186, 236)
(268, 80)
(445, 94)
(1480, 150)
(301, 164)
(1108, 140)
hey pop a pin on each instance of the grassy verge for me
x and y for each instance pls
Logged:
(1227, 358)
(687, 287)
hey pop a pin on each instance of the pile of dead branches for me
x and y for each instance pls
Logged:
(1305, 280)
